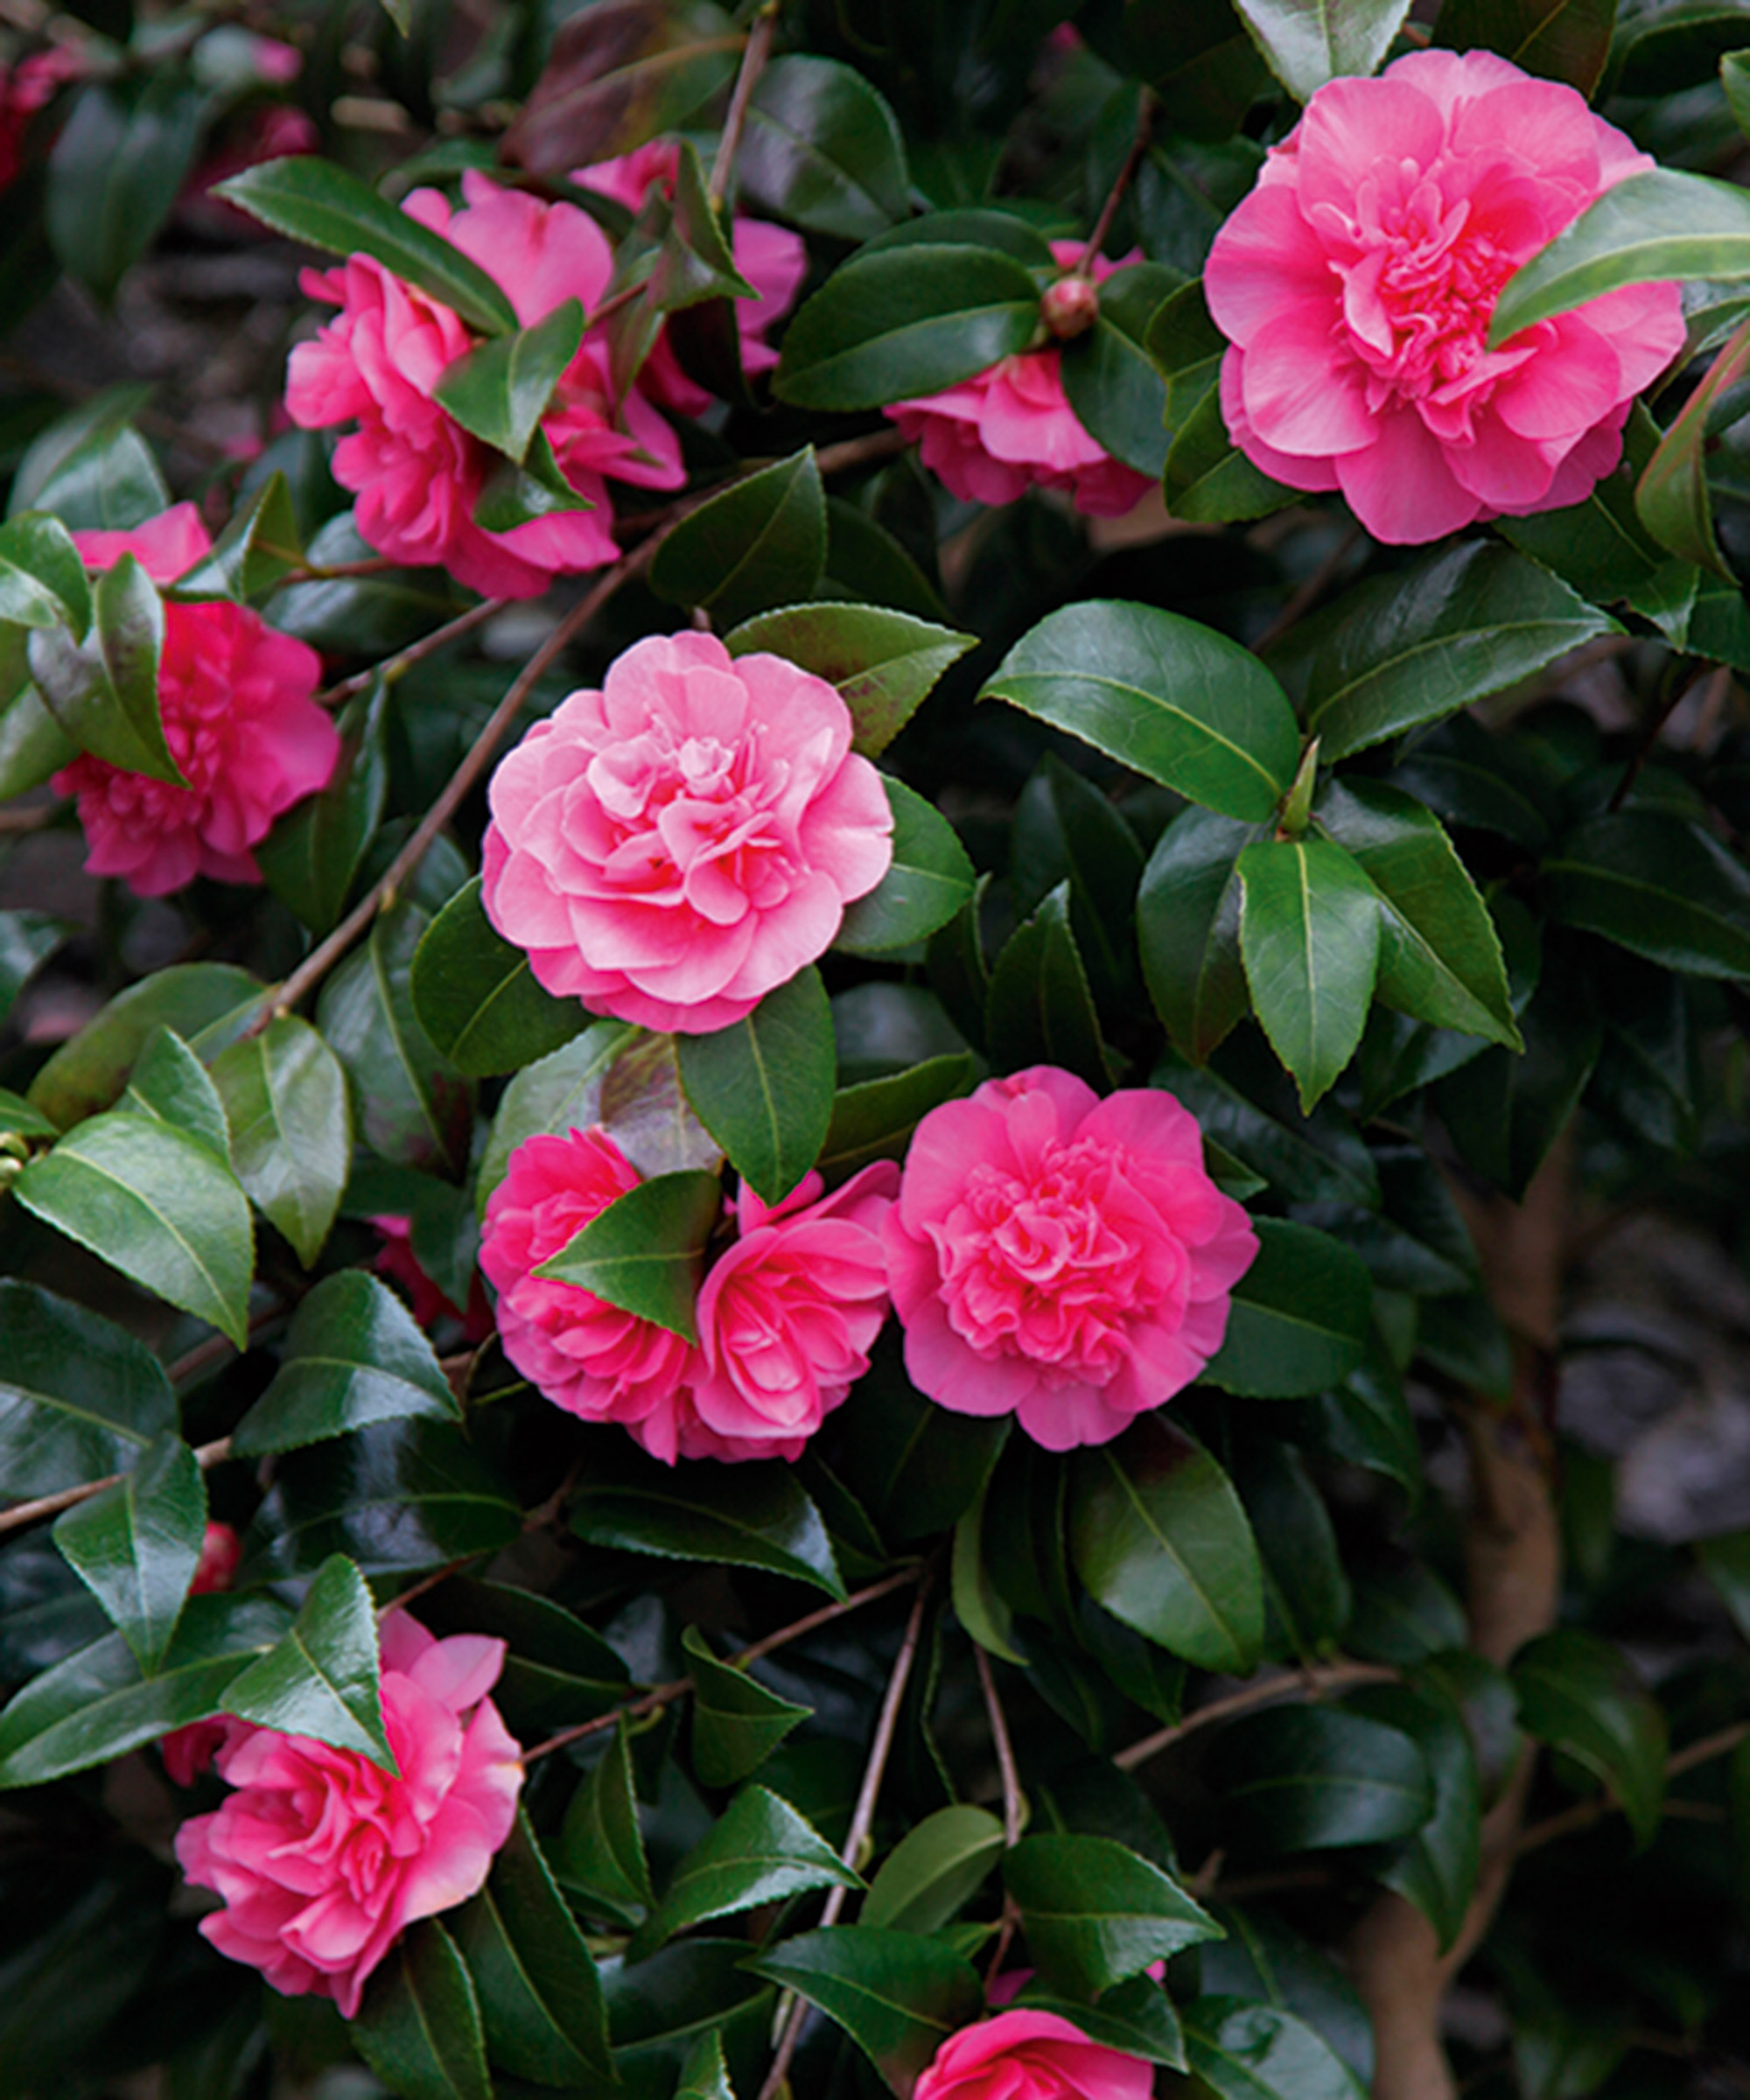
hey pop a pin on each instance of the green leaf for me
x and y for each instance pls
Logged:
(98, 1704)
(42, 575)
(354, 1355)
(556, 1093)
(1307, 43)
(1309, 1778)
(1436, 1869)
(314, 201)
(1188, 929)
(899, 1995)
(659, 2010)
(136, 1545)
(915, 1467)
(1158, 1536)
(1423, 642)
(705, 2076)
(1645, 230)
(824, 151)
(1306, 1594)
(260, 546)
(290, 1126)
(1064, 827)
(321, 1678)
(930, 879)
(500, 390)
(1097, 1913)
(1243, 2051)
(1566, 40)
(761, 543)
(1734, 77)
(419, 2025)
(156, 1204)
(80, 1397)
(645, 1252)
(904, 321)
(32, 744)
(18, 1118)
(1440, 957)
(1300, 1316)
(1208, 480)
(1726, 1561)
(881, 663)
(676, 257)
(737, 1722)
(601, 1853)
(477, 998)
(1136, 2018)
(92, 468)
(169, 1084)
(1310, 937)
(1671, 495)
(117, 170)
(935, 1867)
(1657, 886)
(540, 1996)
(516, 495)
(763, 1087)
(1172, 699)
(1577, 1692)
(1111, 381)
(309, 858)
(759, 1850)
(557, 1670)
(751, 1516)
(875, 1119)
(1204, 68)
(1039, 1009)
(103, 689)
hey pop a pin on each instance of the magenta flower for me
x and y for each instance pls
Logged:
(1357, 284)
(238, 716)
(1060, 1257)
(991, 437)
(417, 473)
(323, 1859)
(672, 848)
(188, 1751)
(1026, 2055)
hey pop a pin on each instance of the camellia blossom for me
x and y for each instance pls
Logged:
(672, 848)
(786, 1316)
(187, 1752)
(991, 437)
(26, 88)
(1062, 1257)
(1356, 284)
(238, 716)
(1028, 2055)
(416, 472)
(323, 1859)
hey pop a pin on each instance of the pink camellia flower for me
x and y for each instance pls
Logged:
(993, 436)
(1356, 284)
(773, 260)
(672, 848)
(187, 1752)
(238, 716)
(417, 473)
(26, 88)
(1059, 1256)
(398, 1261)
(786, 1316)
(1028, 2055)
(323, 1859)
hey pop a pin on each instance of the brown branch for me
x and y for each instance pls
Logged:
(52, 1505)
(1146, 106)
(1585, 1814)
(1001, 1743)
(1312, 1682)
(1310, 592)
(415, 652)
(30, 820)
(1676, 689)
(754, 58)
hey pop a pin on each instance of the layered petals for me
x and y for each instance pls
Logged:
(1026, 2055)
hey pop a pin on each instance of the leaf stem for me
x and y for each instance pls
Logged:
(1146, 106)
(1585, 1814)
(52, 1505)
(415, 652)
(752, 65)
(1317, 1679)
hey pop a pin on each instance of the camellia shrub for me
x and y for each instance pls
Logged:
(873, 954)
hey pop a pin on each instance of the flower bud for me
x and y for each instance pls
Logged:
(1069, 307)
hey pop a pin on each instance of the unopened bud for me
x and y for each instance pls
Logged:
(1070, 308)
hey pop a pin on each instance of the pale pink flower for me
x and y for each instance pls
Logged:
(323, 1859)
(786, 1315)
(991, 437)
(187, 1752)
(238, 716)
(772, 260)
(1027, 2055)
(1356, 284)
(1062, 1257)
(417, 473)
(672, 848)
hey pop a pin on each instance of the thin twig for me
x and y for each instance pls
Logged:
(1001, 1743)
(426, 1584)
(1585, 1814)
(1678, 688)
(30, 820)
(415, 652)
(52, 1505)
(1108, 210)
(1317, 1679)
(1309, 593)
(862, 1820)
(759, 49)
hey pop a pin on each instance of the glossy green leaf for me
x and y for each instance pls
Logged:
(1734, 77)
(761, 543)
(327, 207)
(935, 1868)
(500, 390)
(1188, 929)
(750, 1516)
(354, 1355)
(1577, 1692)
(1208, 480)
(930, 879)
(477, 998)
(882, 663)
(899, 1995)
(1436, 1869)
(875, 1119)
(169, 1084)
(1064, 828)
(1310, 938)
(659, 2009)
(1364, 1421)
(312, 856)
(915, 1467)
(1657, 886)
(136, 1545)
(557, 1670)
(80, 1397)
(1307, 42)
(645, 1251)
(1411, 646)
(321, 1679)
(1158, 1536)
(705, 2076)
(759, 1850)
(260, 546)
(32, 744)
(1671, 495)
(1040, 1009)
(1307, 1778)
(419, 2027)
(156, 1204)
(1244, 2051)
(1306, 1596)
(1203, 67)
(824, 151)
(600, 1850)
(92, 468)
(1300, 1316)
(290, 1125)
(18, 1118)
(1566, 40)
(103, 690)
(763, 1087)
(557, 1093)
(42, 576)
(905, 321)
(123, 156)
(737, 1722)
(675, 258)
(1095, 1912)
(1172, 699)
(1111, 381)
